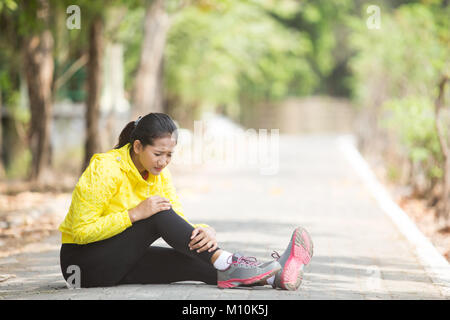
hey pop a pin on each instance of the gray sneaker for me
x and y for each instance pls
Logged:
(298, 254)
(245, 271)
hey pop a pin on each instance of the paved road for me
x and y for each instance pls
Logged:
(358, 252)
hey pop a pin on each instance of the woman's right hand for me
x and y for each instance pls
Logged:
(149, 207)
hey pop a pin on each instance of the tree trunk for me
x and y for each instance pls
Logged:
(2, 168)
(145, 96)
(114, 101)
(443, 211)
(94, 87)
(39, 74)
(159, 90)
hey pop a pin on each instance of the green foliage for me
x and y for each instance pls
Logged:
(236, 53)
(324, 24)
(393, 173)
(17, 169)
(413, 120)
(130, 34)
(398, 67)
(406, 56)
(240, 53)
(8, 4)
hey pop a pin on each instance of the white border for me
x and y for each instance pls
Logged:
(436, 266)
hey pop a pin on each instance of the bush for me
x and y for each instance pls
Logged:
(396, 73)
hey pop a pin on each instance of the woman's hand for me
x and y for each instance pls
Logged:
(203, 239)
(149, 207)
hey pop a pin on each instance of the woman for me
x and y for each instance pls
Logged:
(125, 200)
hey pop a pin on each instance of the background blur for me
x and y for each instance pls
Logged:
(73, 73)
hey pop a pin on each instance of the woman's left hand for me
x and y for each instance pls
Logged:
(203, 239)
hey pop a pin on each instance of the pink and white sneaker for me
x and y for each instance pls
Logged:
(298, 254)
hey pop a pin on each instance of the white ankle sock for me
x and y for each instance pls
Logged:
(271, 280)
(221, 262)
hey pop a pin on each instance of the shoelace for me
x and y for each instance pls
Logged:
(275, 255)
(250, 261)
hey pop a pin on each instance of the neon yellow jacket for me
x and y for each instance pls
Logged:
(109, 187)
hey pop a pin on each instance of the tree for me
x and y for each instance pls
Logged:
(236, 55)
(38, 65)
(397, 72)
(2, 169)
(95, 13)
(324, 23)
(156, 25)
(443, 210)
(94, 85)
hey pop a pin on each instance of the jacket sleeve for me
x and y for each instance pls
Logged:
(170, 193)
(93, 192)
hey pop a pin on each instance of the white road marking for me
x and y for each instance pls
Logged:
(436, 266)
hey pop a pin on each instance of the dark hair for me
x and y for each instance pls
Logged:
(145, 129)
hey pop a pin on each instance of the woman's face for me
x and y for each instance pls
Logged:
(154, 158)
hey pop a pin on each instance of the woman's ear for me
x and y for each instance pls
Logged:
(137, 146)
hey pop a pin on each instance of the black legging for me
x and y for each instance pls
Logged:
(128, 258)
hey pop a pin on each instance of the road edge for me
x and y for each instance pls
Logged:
(436, 266)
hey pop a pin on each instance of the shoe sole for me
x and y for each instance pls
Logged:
(301, 254)
(232, 283)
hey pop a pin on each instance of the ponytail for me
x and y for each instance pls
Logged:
(146, 129)
(125, 135)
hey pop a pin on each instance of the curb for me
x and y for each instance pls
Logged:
(436, 266)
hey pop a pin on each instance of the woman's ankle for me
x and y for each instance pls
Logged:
(216, 255)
